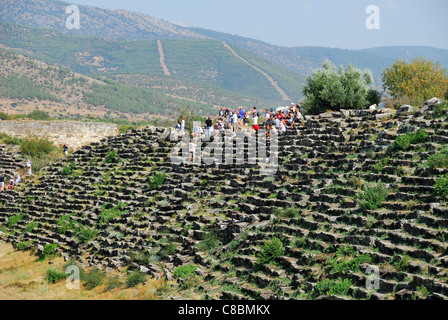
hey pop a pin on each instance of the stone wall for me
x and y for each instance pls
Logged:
(75, 134)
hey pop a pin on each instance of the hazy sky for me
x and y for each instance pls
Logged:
(328, 23)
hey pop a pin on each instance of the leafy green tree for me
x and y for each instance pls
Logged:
(270, 251)
(332, 88)
(420, 80)
(38, 115)
(373, 97)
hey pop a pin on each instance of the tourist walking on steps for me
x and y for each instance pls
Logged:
(209, 125)
(245, 122)
(28, 167)
(2, 182)
(235, 121)
(192, 148)
(182, 127)
(18, 179)
(11, 184)
(65, 147)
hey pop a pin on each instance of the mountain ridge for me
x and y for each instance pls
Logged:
(202, 60)
(125, 24)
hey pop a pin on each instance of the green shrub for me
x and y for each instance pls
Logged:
(13, 220)
(135, 278)
(67, 170)
(4, 116)
(141, 257)
(339, 287)
(24, 245)
(38, 115)
(127, 127)
(209, 242)
(31, 226)
(156, 180)
(168, 250)
(65, 223)
(270, 251)
(93, 278)
(372, 196)
(54, 275)
(346, 251)
(50, 250)
(108, 214)
(441, 186)
(290, 212)
(184, 271)
(298, 242)
(401, 263)
(37, 147)
(379, 166)
(419, 137)
(342, 265)
(438, 160)
(403, 142)
(7, 139)
(85, 234)
(113, 283)
(112, 157)
(440, 110)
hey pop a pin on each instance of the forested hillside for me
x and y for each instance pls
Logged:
(208, 61)
(122, 24)
(190, 90)
(26, 82)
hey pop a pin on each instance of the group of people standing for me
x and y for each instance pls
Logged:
(275, 120)
(28, 171)
(12, 182)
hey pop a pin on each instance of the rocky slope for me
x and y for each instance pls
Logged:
(113, 209)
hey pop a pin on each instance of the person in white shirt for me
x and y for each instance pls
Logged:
(28, 167)
(255, 116)
(192, 148)
(235, 121)
(282, 128)
(18, 179)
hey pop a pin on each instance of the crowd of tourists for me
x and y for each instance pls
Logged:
(248, 121)
(16, 179)
(12, 182)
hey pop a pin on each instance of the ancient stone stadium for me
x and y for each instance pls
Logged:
(356, 210)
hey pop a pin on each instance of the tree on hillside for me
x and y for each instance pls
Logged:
(418, 80)
(188, 114)
(332, 88)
